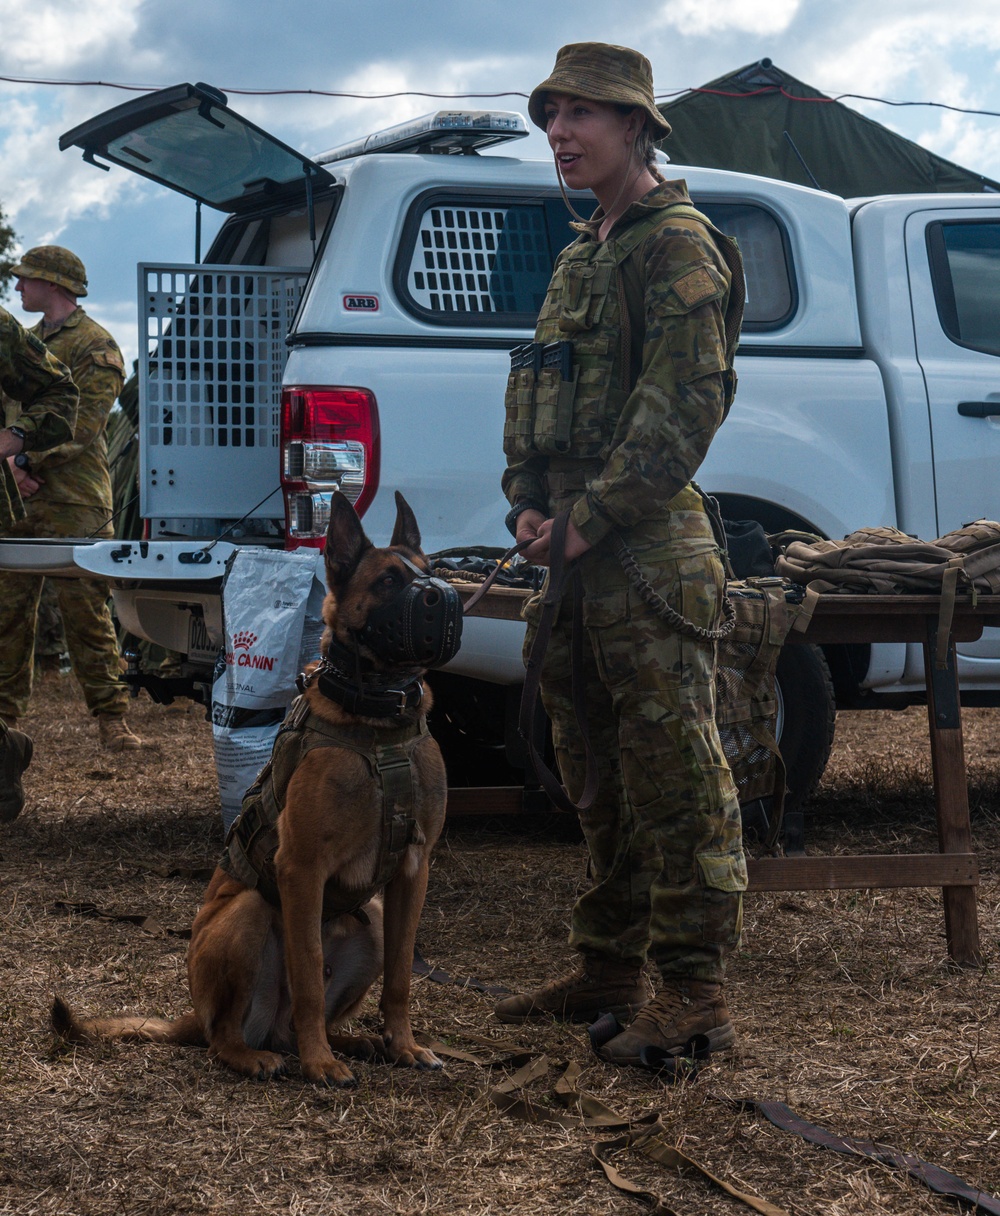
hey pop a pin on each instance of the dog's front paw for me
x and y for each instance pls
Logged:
(325, 1070)
(267, 1066)
(407, 1054)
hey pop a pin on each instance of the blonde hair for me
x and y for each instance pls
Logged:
(645, 151)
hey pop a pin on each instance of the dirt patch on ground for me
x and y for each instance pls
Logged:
(846, 1006)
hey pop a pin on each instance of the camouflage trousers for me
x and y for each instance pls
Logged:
(664, 834)
(83, 603)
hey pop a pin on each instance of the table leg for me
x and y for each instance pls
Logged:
(951, 795)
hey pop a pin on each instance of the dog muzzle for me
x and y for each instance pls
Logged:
(421, 626)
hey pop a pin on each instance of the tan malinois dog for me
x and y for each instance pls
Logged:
(289, 938)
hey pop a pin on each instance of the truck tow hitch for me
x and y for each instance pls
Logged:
(164, 690)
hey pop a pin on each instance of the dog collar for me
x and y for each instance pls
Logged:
(364, 693)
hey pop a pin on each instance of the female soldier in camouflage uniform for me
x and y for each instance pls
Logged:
(646, 296)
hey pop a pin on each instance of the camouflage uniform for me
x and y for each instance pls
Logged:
(75, 500)
(31, 375)
(664, 833)
(34, 377)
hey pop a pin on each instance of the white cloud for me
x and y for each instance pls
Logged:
(695, 17)
(43, 189)
(46, 37)
(325, 122)
(912, 44)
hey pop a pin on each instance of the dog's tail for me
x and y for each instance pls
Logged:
(184, 1031)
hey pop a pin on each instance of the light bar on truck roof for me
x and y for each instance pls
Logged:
(444, 131)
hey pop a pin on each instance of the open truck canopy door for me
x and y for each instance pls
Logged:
(187, 138)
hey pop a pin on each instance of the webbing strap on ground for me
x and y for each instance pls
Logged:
(567, 1106)
(422, 967)
(653, 1142)
(932, 1176)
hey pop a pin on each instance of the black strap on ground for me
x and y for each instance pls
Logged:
(422, 967)
(933, 1176)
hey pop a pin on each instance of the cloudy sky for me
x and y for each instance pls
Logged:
(913, 50)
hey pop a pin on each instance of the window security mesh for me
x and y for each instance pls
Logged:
(212, 356)
(481, 259)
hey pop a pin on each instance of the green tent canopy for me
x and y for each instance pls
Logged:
(762, 120)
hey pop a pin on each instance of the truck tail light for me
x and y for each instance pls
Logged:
(329, 441)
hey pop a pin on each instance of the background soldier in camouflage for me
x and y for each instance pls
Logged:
(616, 443)
(51, 651)
(68, 493)
(48, 397)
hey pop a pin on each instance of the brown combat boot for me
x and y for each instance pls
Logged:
(115, 734)
(15, 756)
(596, 986)
(683, 1008)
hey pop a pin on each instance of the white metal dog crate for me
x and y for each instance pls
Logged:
(212, 355)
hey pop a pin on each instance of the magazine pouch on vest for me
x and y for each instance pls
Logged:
(566, 390)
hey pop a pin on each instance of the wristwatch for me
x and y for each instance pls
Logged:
(23, 461)
(18, 433)
(522, 505)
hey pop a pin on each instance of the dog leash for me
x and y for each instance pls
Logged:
(559, 573)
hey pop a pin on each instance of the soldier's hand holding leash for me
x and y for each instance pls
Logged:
(27, 482)
(532, 525)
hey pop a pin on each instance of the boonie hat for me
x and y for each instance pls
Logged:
(600, 71)
(56, 265)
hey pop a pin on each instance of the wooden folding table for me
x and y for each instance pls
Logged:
(855, 618)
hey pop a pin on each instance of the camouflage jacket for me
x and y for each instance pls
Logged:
(632, 416)
(48, 403)
(77, 471)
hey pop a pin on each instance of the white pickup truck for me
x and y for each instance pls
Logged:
(398, 272)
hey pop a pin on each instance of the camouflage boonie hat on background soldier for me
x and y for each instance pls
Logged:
(56, 265)
(601, 72)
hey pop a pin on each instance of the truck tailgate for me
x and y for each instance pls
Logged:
(78, 557)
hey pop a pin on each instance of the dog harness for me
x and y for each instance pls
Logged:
(389, 752)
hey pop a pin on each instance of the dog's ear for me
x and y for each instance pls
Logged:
(345, 541)
(406, 532)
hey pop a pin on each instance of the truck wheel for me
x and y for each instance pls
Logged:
(806, 715)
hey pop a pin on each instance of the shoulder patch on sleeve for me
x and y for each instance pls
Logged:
(698, 286)
(36, 344)
(109, 357)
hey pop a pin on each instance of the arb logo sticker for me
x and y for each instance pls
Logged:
(361, 303)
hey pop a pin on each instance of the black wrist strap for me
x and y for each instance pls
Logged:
(522, 505)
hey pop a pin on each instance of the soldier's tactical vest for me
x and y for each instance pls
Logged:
(567, 389)
(253, 838)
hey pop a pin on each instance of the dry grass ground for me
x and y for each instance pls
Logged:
(846, 1006)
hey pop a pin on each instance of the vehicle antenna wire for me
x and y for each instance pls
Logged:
(236, 523)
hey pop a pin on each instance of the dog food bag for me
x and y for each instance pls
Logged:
(272, 615)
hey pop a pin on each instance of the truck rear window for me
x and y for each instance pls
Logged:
(481, 261)
(488, 262)
(965, 268)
